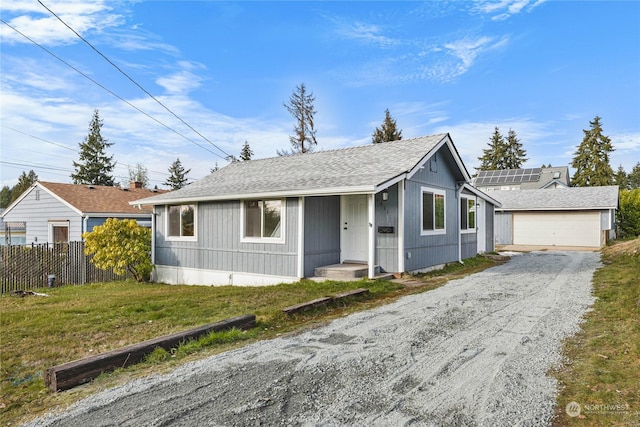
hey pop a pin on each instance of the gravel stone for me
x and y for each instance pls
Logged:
(473, 352)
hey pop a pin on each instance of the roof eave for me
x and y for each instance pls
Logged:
(482, 195)
(363, 189)
(576, 208)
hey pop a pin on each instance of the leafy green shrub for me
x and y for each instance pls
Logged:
(629, 213)
(121, 245)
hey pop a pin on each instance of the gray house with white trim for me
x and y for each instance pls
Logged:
(574, 216)
(399, 206)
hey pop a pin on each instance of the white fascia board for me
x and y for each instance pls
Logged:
(38, 185)
(116, 215)
(536, 209)
(482, 195)
(389, 183)
(60, 199)
(445, 141)
(364, 189)
(19, 199)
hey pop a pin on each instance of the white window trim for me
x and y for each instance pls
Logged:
(276, 240)
(52, 224)
(434, 191)
(193, 238)
(475, 204)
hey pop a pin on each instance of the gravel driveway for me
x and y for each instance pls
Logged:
(473, 352)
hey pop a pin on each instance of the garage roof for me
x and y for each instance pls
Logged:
(572, 198)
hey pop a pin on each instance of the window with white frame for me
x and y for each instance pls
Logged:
(181, 222)
(263, 219)
(433, 211)
(467, 214)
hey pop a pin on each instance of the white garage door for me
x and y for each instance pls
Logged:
(556, 228)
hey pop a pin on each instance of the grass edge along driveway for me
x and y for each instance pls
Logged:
(73, 322)
(599, 382)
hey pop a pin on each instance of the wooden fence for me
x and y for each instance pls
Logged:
(29, 267)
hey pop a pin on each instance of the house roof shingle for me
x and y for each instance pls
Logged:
(99, 198)
(352, 169)
(572, 198)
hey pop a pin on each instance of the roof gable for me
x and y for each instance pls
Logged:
(363, 169)
(95, 199)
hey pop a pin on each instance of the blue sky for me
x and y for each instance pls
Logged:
(541, 68)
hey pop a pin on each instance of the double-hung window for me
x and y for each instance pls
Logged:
(467, 214)
(181, 222)
(263, 220)
(433, 211)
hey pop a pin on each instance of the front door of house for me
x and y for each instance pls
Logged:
(355, 228)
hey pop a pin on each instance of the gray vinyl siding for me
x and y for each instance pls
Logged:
(38, 211)
(426, 251)
(503, 228)
(387, 243)
(219, 247)
(469, 245)
(321, 232)
(489, 212)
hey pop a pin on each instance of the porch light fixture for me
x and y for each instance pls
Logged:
(385, 195)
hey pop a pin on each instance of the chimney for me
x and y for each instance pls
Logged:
(135, 184)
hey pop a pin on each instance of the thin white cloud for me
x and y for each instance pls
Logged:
(33, 20)
(181, 82)
(468, 49)
(368, 33)
(504, 9)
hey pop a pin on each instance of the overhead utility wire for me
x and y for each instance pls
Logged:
(41, 139)
(107, 89)
(127, 165)
(134, 82)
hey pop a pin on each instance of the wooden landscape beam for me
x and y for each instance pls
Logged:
(71, 374)
(324, 301)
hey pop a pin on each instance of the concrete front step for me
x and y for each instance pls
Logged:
(344, 271)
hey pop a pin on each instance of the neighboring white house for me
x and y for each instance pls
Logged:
(53, 212)
(574, 216)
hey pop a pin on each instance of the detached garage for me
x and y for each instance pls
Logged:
(577, 216)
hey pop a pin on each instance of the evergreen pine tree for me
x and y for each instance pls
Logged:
(25, 180)
(493, 157)
(177, 175)
(301, 108)
(5, 196)
(634, 177)
(514, 156)
(94, 166)
(388, 131)
(591, 159)
(246, 153)
(620, 178)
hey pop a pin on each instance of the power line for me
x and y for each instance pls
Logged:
(41, 139)
(133, 81)
(127, 165)
(108, 90)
